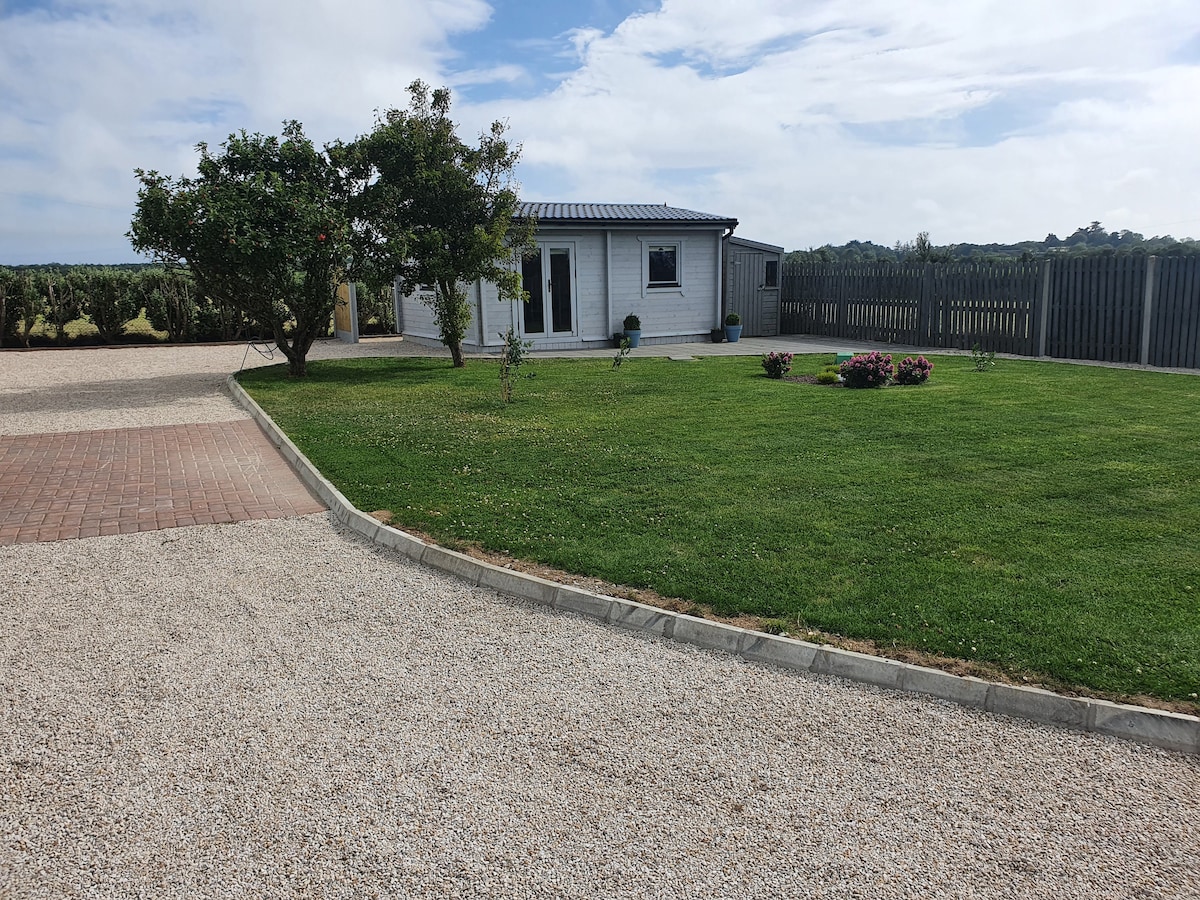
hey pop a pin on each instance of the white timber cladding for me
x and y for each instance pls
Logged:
(418, 317)
(418, 321)
(687, 309)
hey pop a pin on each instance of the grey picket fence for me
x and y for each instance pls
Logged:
(1134, 309)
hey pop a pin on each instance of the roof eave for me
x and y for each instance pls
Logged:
(639, 223)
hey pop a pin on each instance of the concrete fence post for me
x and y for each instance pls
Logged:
(1044, 308)
(1148, 309)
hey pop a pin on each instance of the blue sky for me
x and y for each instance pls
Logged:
(811, 121)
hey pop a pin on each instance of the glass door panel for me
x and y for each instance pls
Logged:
(534, 310)
(560, 290)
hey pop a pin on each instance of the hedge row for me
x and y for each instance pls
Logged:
(56, 305)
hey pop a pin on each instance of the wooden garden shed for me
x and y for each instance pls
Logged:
(751, 284)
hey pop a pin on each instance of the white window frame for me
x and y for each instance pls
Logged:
(676, 287)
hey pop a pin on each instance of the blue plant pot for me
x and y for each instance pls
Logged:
(733, 333)
(635, 338)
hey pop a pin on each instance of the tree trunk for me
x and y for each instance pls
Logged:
(297, 364)
(456, 354)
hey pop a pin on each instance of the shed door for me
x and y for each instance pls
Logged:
(754, 292)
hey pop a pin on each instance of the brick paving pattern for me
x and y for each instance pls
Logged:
(59, 486)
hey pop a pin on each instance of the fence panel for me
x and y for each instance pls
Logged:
(1175, 328)
(1096, 308)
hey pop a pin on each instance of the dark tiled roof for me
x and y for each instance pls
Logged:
(618, 212)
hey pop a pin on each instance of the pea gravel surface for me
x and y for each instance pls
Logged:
(278, 708)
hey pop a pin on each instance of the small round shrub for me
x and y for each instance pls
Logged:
(913, 371)
(867, 370)
(827, 377)
(777, 364)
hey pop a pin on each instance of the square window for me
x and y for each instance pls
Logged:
(663, 265)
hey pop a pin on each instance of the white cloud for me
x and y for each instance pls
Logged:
(976, 121)
(812, 122)
(92, 91)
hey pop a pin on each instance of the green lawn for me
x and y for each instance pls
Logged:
(1040, 518)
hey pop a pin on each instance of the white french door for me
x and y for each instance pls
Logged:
(548, 274)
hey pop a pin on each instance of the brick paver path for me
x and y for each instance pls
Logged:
(82, 484)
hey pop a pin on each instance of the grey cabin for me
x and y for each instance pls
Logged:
(596, 263)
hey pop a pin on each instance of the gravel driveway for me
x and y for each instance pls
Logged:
(278, 708)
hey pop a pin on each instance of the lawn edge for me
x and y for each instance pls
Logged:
(1166, 730)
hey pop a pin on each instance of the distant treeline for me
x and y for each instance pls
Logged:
(60, 305)
(64, 268)
(1090, 240)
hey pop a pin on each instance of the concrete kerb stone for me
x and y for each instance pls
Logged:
(1169, 731)
(367, 526)
(568, 598)
(639, 617)
(518, 584)
(394, 539)
(710, 635)
(1039, 705)
(963, 690)
(776, 650)
(458, 564)
(857, 667)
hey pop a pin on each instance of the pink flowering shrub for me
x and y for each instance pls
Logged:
(777, 364)
(913, 371)
(867, 370)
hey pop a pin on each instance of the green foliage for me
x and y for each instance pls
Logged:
(1092, 239)
(982, 361)
(1041, 521)
(828, 377)
(110, 299)
(733, 319)
(511, 357)
(623, 349)
(27, 306)
(9, 287)
(376, 313)
(433, 209)
(169, 297)
(775, 626)
(60, 301)
(262, 229)
(632, 323)
(921, 250)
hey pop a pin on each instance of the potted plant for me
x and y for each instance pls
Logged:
(633, 329)
(733, 327)
(717, 335)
